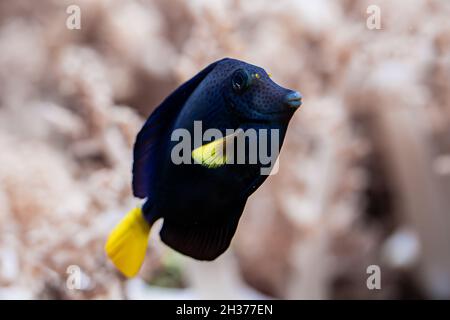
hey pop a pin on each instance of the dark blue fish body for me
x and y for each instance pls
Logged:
(201, 205)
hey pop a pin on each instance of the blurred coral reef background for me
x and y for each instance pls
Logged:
(364, 174)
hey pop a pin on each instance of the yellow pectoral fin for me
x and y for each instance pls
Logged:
(213, 154)
(127, 243)
(210, 155)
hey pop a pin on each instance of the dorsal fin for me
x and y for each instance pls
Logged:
(155, 131)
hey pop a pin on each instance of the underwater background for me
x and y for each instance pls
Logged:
(364, 176)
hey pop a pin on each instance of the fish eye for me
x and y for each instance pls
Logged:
(241, 80)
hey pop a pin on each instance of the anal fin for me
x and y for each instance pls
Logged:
(200, 241)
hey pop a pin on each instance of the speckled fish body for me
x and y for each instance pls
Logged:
(201, 205)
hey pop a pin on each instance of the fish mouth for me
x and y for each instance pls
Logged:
(281, 113)
(293, 100)
(261, 117)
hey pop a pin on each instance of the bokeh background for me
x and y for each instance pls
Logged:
(364, 174)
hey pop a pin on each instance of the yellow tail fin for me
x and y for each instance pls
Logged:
(127, 243)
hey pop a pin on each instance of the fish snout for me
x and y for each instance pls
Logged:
(293, 99)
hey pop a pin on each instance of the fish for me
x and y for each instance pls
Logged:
(202, 196)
